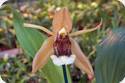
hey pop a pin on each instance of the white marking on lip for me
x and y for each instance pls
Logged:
(63, 60)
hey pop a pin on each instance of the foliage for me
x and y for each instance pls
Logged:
(109, 64)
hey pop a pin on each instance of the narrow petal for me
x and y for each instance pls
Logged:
(42, 55)
(86, 31)
(67, 20)
(84, 68)
(38, 27)
(81, 61)
(62, 19)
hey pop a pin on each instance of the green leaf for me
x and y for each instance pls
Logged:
(31, 40)
(110, 61)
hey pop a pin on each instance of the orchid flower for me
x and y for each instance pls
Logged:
(1, 2)
(60, 46)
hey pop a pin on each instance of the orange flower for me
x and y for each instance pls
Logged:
(60, 46)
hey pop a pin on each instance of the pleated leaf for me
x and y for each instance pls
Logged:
(110, 61)
(31, 40)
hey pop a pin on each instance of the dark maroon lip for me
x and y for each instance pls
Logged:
(62, 46)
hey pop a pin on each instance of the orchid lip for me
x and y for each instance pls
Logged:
(62, 45)
(62, 50)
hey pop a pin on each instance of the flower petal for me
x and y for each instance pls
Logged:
(86, 31)
(84, 68)
(62, 19)
(81, 61)
(38, 27)
(43, 54)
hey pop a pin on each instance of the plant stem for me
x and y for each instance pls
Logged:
(65, 73)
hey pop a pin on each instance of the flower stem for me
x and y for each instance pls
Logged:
(65, 73)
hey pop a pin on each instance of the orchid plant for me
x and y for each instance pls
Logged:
(60, 46)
